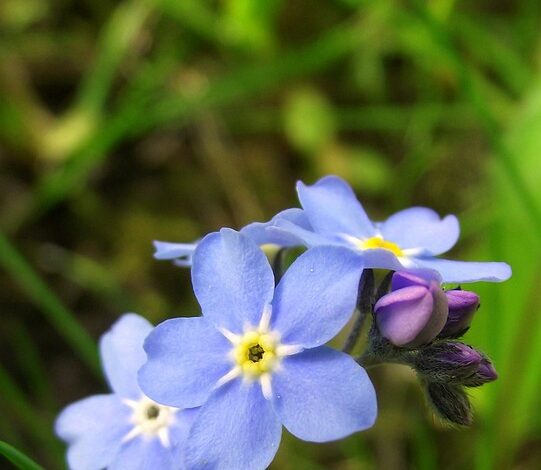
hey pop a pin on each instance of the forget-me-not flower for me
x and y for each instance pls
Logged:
(411, 238)
(255, 360)
(124, 429)
(182, 253)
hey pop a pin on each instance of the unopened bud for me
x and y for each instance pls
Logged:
(448, 362)
(462, 306)
(450, 402)
(485, 373)
(414, 313)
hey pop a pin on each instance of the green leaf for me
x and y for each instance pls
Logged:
(17, 458)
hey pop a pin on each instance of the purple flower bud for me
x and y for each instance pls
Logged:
(485, 373)
(451, 362)
(414, 312)
(462, 306)
(486, 370)
(462, 355)
(450, 402)
(448, 362)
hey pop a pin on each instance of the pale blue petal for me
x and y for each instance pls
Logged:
(317, 296)
(380, 259)
(186, 357)
(466, 271)
(285, 228)
(185, 262)
(332, 208)
(93, 428)
(122, 354)
(180, 429)
(168, 250)
(258, 231)
(232, 280)
(236, 429)
(323, 395)
(148, 452)
(420, 227)
(145, 453)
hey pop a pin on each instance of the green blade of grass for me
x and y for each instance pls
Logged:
(522, 367)
(49, 304)
(517, 197)
(137, 117)
(487, 118)
(115, 43)
(31, 364)
(17, 458)
(493, 51)
(259, 77)
(14, 401)
(82, 119)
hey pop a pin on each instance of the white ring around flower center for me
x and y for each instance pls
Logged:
(256, 353)
(150, 419)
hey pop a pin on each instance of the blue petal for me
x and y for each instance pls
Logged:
(317, 296)
(180, 429)
(258, 231)
(167, 250)
(420, 227)
(94, 429)
(466, 271)
(122, 354)
(285, 228)
(186, 357)
(236, 429)
(323, 395)
(232, 280)
(145, 453)
(331, 207)
(148, 453)
(380, 259)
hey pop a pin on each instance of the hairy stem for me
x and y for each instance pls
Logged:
(365, 301)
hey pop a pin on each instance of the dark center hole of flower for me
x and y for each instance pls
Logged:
(153, 412)
(255, 353)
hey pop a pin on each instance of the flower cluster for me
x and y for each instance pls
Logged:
(213, 391)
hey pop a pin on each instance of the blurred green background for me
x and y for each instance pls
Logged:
(127, 121)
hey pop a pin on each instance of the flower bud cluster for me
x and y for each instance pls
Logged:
(417, 323)
(417, 310)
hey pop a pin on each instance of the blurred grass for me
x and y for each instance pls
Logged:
(20, 460)
(63, 320)
(125, 121)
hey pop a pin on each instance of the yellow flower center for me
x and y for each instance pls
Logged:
(375, 243)
(255, 353)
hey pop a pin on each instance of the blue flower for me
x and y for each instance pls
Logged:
(255, 360)
(408, 239)
(124, 429)
(182, 253)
